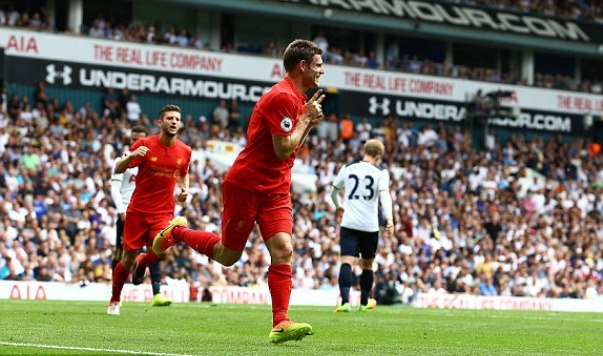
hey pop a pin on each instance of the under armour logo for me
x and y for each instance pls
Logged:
(375, 104)
(53, 73)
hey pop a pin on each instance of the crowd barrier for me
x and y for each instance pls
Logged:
(183, 293)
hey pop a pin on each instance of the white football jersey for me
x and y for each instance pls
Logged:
(362, 183)
(122, 186)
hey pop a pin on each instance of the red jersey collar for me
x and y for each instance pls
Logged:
(300, 95)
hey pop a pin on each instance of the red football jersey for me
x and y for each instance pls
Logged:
(158, 173)
(257, 167)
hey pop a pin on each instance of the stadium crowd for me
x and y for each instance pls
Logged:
(336, 53)
(517, 218)
(573, 9)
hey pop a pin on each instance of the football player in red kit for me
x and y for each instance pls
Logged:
(162, 160)
(256, 188)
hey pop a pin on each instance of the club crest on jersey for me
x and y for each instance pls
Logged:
(153, 159)
(286, 124)
(179, 161)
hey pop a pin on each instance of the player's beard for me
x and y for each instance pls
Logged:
(168, 133)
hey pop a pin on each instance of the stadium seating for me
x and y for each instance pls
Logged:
(521, 217)
(524, 216)
(121, 30)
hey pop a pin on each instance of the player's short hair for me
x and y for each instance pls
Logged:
(140, 129)
(374, 148)
(168, 107)
(300, 50)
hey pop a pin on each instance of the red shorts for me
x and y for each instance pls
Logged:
(140, 229)
(242, 208)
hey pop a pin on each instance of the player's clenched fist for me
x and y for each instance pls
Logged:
(389, 228)
(339, 215)
(183, 194)
(140, 151)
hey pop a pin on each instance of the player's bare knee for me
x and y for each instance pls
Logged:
(348, 259)
(280, 247)
(366, 264)
(283, 251)
(229, 261)
(127, 263)
(127, 259)
(225, 256)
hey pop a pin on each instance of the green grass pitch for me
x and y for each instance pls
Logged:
(79, 328)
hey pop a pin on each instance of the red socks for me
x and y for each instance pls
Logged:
(200, 241)
(280, 284)
(148, 258)
(120, 274)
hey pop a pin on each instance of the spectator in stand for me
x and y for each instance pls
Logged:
(331, 127)
(372, 61)
(30, 159)
(111, 105)
(392, 56)
(133, 108)
(196, 41)
(322, 42)
(40, 94)
(14, 107)
(427, 136)
(234, 116)
(414, 65)
(221, 115)
(364, 129)
(564, 232)
(337, 55)
(170, 37)
(227, 47)
(360, 59)
(405, 63)
(182, 38)
(36, 22)
(272, 50)
(97, 29)
(12, 16)
(123, 97)
(346, 127)
(151, 35)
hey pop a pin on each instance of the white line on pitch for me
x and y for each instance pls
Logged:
(91, 349)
